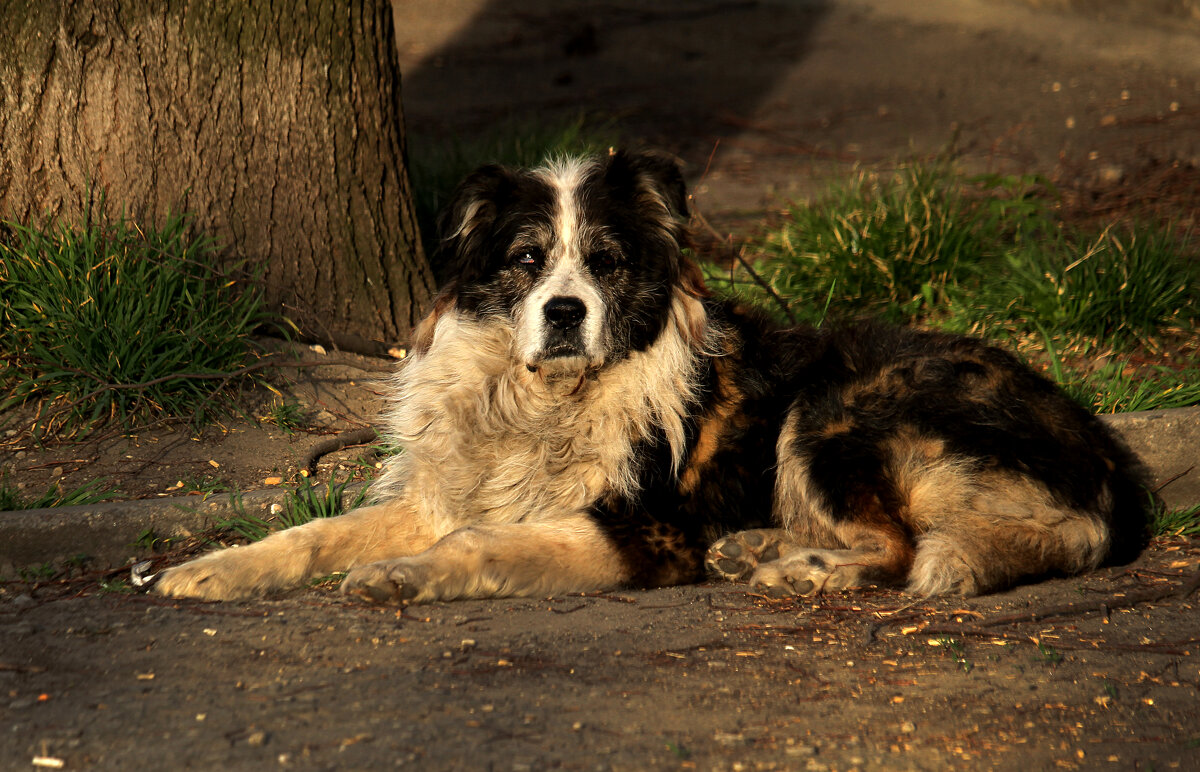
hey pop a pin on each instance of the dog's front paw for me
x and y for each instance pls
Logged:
(734, 557)
(386, 581)
(217, 576)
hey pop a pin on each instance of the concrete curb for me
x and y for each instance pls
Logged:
(1167, 442)
(107, 533)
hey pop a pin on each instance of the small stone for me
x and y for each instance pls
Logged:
(256, 739)
(58, 471)
(908, 727)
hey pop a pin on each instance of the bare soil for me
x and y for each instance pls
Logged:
(246, 451)
(765, 101)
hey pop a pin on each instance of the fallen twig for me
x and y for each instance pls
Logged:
(741, 259)
(1115, 601)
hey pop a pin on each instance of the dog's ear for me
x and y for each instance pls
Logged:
(656, 174)
(465, 224)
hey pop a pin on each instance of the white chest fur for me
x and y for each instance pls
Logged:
(487, 441)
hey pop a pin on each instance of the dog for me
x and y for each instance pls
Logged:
(578, 414)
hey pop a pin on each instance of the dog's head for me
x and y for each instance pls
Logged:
(580, 256)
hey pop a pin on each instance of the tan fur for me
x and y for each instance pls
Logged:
(711, 434)
(971, 531)
(289, 557)
(1005, 526)
(797, 507)
(568, 555)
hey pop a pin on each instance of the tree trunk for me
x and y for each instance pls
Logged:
(277, 125)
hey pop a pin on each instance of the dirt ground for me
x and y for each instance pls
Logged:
(763, 100)
(1068, 674)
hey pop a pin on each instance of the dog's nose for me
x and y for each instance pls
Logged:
(564, 313)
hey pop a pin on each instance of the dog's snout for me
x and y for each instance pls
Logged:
(564, 313)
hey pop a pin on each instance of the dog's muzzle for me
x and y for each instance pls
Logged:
(563, 348)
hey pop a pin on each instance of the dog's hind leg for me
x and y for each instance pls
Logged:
(289, 557)
(492, 561)
(1010, 529)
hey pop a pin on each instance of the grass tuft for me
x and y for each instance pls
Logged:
(1178, 522)
(289, 415)
(885, 247)
(94, 492)
(303, 504)
(985, 253)
(1115, 388)
(103, 320)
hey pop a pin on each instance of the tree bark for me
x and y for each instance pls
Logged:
(278, 126)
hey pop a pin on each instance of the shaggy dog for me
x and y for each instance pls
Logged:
(577, 414)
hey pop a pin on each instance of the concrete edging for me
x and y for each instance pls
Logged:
(1167, 442)
(107, 533)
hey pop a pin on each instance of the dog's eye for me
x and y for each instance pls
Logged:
(603, 261)
(527, 258)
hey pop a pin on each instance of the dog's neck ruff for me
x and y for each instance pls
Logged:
(481, 432)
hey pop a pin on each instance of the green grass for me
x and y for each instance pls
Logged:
(957, 649)
(287, 414)
(1117, 285)
(12, 499)
(883, 247)
(303, 504)
(1048, 654)
(105, 320)
(205, 485)
(985, 255)
(1115, 389)
(981, 253)
(438, 164)
(1178, 522)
